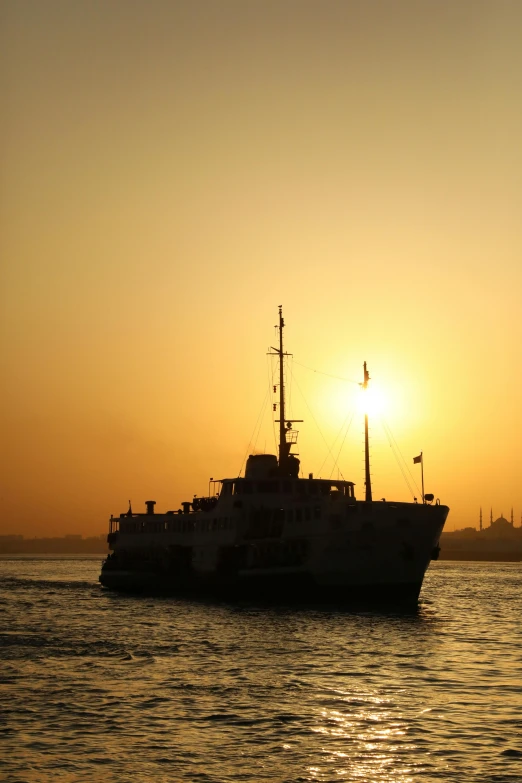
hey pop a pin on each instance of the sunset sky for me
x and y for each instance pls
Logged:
(171, 172)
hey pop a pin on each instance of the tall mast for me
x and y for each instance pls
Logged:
(283, 446)
(287, 436)
(367, 479)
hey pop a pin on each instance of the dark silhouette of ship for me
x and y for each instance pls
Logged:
(275, 536)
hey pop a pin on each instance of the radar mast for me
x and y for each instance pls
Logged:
(287, 436)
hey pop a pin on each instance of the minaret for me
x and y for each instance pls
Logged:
(480, 519)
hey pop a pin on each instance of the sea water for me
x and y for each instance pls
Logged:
(98, 686)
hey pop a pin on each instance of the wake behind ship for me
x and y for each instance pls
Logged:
(273, 535)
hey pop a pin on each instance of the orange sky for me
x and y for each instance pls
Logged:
(171, 172)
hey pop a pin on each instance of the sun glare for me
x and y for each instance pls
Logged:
(343, 402)
(371, 401)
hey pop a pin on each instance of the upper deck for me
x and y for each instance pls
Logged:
(286, 486)
(269, 492)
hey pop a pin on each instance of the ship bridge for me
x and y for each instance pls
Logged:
(287, 486)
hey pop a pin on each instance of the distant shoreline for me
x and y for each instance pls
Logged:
(96, 547)
(54, 546)
(480, 557)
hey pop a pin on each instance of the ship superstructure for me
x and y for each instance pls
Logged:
(276, 535)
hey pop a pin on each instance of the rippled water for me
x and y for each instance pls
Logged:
(102, 687)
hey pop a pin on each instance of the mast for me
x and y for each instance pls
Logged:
(284, 449)
(287, 436)
(367, 479)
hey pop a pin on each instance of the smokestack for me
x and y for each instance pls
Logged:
(150, 506)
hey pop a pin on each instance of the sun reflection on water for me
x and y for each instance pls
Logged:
(373, 742)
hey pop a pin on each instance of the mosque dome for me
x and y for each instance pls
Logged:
(500, 527)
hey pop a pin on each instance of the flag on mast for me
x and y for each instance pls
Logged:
(418, 459)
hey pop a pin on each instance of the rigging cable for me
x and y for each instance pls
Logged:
(253, 439)
(330, 450)
(313, 418)
(329, 375)
(342, 444)
(290, 378)
(398, 454)
(404, 461)
(270, 366)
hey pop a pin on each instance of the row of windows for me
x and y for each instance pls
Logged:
(184, 523)
(203, 524)
(299, 487)
(218, 523)
(181, 524)
(302, 514)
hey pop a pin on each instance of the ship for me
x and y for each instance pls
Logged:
(275, 535)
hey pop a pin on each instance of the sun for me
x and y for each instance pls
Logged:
(371, 401)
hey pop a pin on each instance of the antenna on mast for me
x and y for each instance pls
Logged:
(285, 425)
(284, 447)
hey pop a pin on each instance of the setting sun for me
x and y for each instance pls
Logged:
(371, 401)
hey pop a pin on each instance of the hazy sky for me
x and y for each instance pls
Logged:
(171, 172)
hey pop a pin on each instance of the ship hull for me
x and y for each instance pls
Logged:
(349, 552)
(283, 589)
